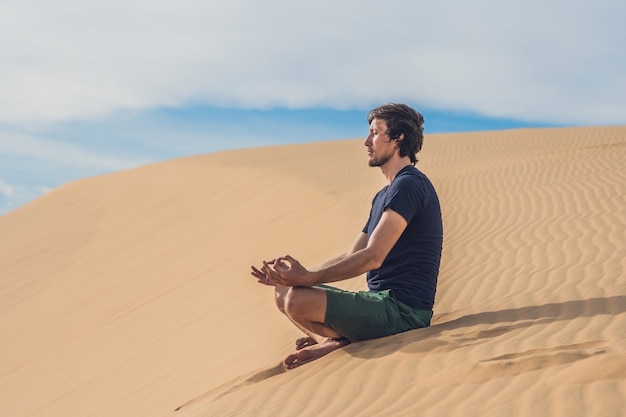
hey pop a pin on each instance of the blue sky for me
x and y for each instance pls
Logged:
(88, 88)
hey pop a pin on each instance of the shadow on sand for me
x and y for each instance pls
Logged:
(430, 339)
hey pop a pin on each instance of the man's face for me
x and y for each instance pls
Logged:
(380, 147)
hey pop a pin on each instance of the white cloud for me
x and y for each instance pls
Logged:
(64, 154)
(6, 189)
(552, 61)
(13, 196)
(32, 166)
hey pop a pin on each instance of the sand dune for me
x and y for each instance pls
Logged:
(129, 294)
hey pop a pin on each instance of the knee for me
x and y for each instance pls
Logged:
(294, 302)
(280, 296)
(297, 302)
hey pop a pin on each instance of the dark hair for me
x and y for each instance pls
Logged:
(402, 119)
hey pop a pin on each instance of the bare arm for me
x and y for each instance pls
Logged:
(368, 255)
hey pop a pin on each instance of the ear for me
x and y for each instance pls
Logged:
(399, 138)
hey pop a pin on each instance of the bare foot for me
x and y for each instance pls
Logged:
(305, 342)
(313, 352)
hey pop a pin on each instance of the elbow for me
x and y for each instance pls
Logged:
(375, 262)
(373, 259)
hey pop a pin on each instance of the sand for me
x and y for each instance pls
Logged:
(129, 294)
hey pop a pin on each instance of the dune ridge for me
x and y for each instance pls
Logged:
(129, 295)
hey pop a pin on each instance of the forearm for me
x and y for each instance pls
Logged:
(329, 263)
(367, 254)
(347, 266)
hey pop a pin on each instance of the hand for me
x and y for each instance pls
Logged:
(291, 273)
(285, 271)
(263, 275)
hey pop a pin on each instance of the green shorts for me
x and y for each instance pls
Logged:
(368, 315)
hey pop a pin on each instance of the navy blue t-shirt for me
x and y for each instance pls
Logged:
(411, 268)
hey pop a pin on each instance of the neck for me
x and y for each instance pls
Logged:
(393, 166)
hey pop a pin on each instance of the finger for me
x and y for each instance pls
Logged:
(264, 281)
(284, 261)
(272, 281)
(280, 265)
(255, 272)
(271, 269)
(269, 272)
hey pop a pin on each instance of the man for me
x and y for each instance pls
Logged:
(399, 248)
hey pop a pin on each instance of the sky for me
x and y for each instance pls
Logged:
(91, 87)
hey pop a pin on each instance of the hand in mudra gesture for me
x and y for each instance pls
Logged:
(286, 271)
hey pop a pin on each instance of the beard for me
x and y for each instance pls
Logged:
(379, 161)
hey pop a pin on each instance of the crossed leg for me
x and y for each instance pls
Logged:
(306, 308)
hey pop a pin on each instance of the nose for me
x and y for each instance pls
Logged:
(368, 140)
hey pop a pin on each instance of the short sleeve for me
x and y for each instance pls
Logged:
(406, 196)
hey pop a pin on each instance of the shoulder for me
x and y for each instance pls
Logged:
(410, 191)
(410, 178)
